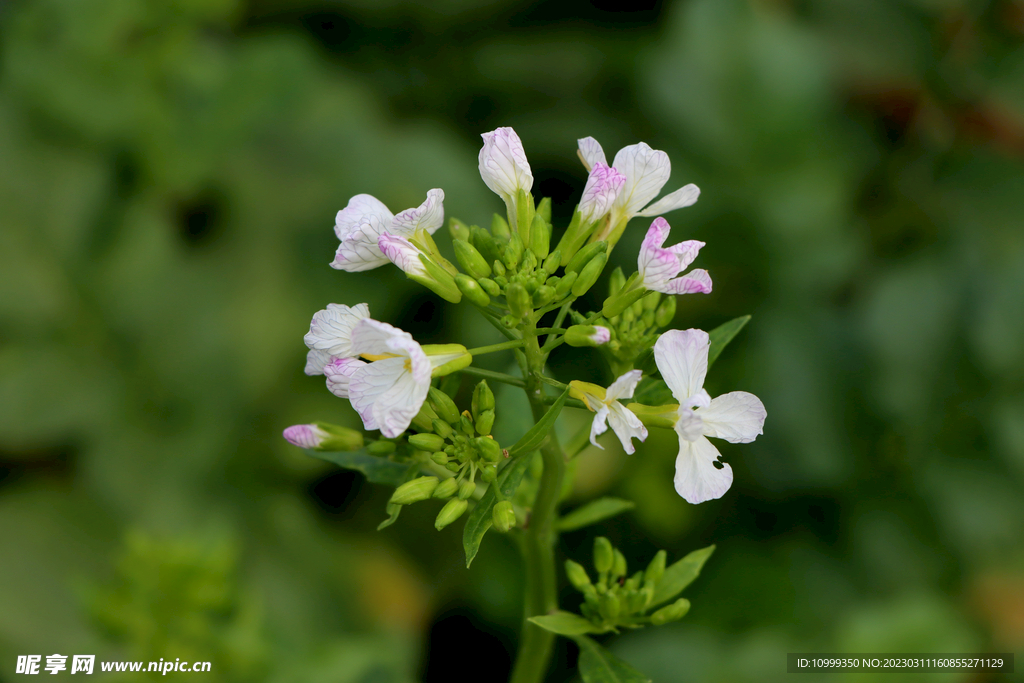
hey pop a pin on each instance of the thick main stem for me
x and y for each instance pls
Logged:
(536, 644)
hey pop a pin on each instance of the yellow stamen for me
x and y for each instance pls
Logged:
(373, 356)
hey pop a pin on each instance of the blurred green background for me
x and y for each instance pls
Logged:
(169, 174)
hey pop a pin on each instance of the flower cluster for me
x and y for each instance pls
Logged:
(515, 276)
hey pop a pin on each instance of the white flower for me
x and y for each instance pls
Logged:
(609, 411)
(330, 334)
(658, 266)
(738, 417)
(601, 336)
(646, 171)
(389, 391)
(419, 266)
(603, 186)
(503, 165)
(361, 223)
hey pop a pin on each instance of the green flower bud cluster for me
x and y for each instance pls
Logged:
(615, 601)
(635, 329)
(519, 265)
(459, 442)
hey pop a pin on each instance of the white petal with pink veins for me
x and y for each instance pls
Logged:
(697, 479)
(646, 170)
(685, 196)
(429, 215)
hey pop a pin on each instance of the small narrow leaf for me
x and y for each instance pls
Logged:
(533, 438)
(480, 519)
(597, 665)
(680, 575)
(593, 512)
(565, 624)
(723, 334)
(376, 469)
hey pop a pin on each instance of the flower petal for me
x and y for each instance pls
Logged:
(358, 250)
(305, 436)
(685, 196)
(686, 251)
(655, 264)
(624, 386)
(602, 188)
(387, 396)
(599, 426)
(737, 417)
(358, 208)
(402, 253)
(503, 164)
(697, 281)
(315, 362)
(331, 328)
(646, 170)
(429, 215)
(682, 358)
(339, 376)
(626, 424)
(590, 152)
(373, 337)
(697, 479)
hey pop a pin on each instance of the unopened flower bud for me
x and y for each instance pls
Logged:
(553, 261)
(446, 489)
(604, 555)
(451, 511)
(577, 575)
(414, 491)
(500, 229)
(440, 457)
(544, 209)
(488, 473)
(444, 405)
(489, 286)
(426, 442)
(499, 272)
(610, 606)
(453, 467)
(585, 256)
(565, 285)
(543, 296)
(488, 447)
(540, 237)
(587, 335)
(619, 565)
(321, 436)
(503, 516)
(466, 423)
(485, 423)
(529, 261)
(483, 398)
(466, 489)
(470, 259)
(472, 290)
(458, 229)
(656, 569)
(519, 300)
(589, 274)
(674, 612)
(381, 447)
(513, 252)
(441, 428)
(651, 301)
(666, 312)
(616, 281)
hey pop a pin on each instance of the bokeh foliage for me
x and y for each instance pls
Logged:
(169, 176)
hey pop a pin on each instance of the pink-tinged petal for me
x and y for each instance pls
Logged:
(655, 264)
(737, 417)
(646, 170)
(339, 375)
(590, 152)
(682, 358)
(685, 196)
(599, 426)
(402, 253)
(387, 396)
(356, 211)
(624, 386)
(429, 215)
(331, 328)
(686, 251)
(305, 436)
(503, 165)
(603, 186)
(315, 362)
(626, 425)
(695, 282)
(601, 335)
(697, 479)
(358, 250)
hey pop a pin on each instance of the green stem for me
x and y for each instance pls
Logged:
(503, 346)
(496, 376)
(536, 644)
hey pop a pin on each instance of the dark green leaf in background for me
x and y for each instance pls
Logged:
(565, 624)
(680, 575)
(376, 469)
(723, 334)
(480, 518)
(597, 665)
(593, 512)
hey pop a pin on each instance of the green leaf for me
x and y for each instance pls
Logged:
(597, 665)
(594, 512)
(480, 519)
(533, 438)
(723, 334)
(565, 624)
(653, 392)
(375, 468)
(680, 575)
